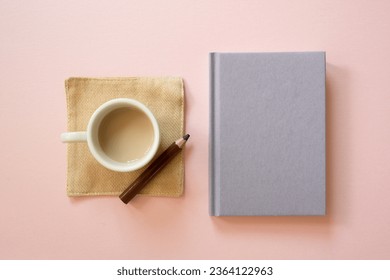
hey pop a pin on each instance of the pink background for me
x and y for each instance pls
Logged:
(45, 42)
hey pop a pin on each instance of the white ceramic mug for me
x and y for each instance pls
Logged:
(91, 135)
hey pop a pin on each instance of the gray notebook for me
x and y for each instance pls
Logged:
(267, 134)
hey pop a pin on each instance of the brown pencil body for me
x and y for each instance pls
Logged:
(153, 169)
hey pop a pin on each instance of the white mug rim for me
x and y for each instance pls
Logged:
(94, 122)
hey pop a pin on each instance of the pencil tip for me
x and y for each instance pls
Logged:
(185, 137)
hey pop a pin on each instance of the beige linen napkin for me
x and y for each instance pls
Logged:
(163, 96)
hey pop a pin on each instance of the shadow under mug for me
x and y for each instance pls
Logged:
(91, 135)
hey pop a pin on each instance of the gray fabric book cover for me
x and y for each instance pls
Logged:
(267, 134)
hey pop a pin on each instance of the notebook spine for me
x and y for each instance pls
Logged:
(213, 186)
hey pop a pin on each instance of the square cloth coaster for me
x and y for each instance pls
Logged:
(163, 96)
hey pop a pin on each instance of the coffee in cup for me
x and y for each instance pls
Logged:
(126, 134)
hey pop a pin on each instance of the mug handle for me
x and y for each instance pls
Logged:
(77, 136)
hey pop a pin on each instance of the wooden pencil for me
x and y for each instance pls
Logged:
(155, 167)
